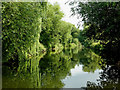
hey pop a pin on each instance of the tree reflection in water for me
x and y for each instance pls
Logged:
(48, 71)
(109, 78)
(40, 71)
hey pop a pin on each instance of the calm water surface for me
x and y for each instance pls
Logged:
(79, 78)
(70, 68)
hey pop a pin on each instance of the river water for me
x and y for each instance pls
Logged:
(79, 78)
(71, 68)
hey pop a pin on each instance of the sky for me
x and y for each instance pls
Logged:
(67, 13)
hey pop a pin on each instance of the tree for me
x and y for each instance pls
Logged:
(103, 20)
(49, 34)
(21, 27)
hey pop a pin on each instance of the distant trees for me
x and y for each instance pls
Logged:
(55, 32)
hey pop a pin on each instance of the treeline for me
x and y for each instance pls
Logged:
(32, 27)
(101, 27)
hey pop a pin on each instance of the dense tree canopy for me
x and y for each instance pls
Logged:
(21, 27)
(29, 28)
(101, 25)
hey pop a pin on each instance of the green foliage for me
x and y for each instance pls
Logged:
(65, 33)
(75, 40)
(49, 34)
(21, 27)
(26, 26)
(75, 32)
(90, 60)
(54, 31)
(101, 22)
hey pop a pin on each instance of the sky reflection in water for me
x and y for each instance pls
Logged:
(79, 78)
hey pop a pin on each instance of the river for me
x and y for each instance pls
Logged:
(71, 68)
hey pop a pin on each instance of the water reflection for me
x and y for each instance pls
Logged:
(79, 78)
(52, 70)
(22, 74)
(110, 76)
(109, 79)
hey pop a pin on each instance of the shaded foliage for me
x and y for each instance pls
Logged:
(101, 26)
(109, 79)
